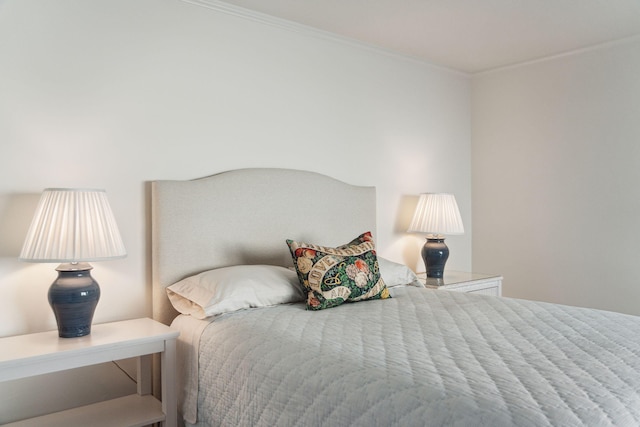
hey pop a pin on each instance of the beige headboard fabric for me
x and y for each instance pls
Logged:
(244, 216)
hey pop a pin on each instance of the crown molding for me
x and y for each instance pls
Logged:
(263, 18)
(574, 52)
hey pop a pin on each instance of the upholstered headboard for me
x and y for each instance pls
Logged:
(244, 217)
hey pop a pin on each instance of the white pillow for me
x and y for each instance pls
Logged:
(395, 274)
(233, 288)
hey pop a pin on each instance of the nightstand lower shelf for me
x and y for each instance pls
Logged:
(133, 410)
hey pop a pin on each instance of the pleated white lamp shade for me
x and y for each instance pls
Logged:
(73, 225)
(437, 213)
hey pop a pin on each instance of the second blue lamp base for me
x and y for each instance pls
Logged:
(435, 254)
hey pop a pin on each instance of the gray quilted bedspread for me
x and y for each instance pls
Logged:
(422, 358)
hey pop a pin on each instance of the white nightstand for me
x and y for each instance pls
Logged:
(465, 282)
(27, 355)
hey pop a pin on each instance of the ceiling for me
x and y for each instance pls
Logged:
(466, 35)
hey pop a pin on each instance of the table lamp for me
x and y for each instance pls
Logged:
(73, 226)
(436, 214)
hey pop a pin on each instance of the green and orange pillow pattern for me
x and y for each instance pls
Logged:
(332, 276)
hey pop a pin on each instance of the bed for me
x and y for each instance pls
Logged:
(408, 356)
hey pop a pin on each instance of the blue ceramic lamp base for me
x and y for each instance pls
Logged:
(73, 296)
(435, 254)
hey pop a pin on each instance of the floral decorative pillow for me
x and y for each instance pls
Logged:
(333, 276)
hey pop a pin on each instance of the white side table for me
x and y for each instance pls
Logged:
(40, 353)
(465, 282)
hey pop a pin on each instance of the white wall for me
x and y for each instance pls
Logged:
(556, 178)
(114, 94)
